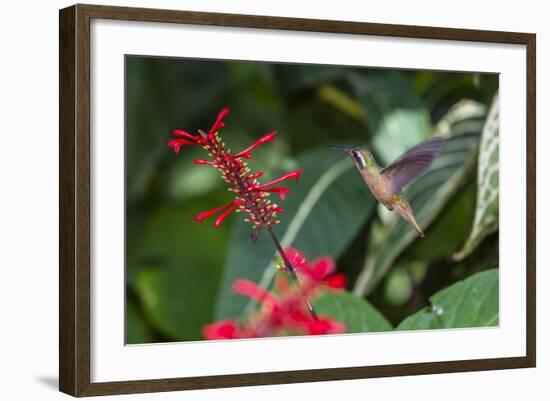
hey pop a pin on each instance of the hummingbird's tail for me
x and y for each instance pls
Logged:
(416, 226)
(406, 212)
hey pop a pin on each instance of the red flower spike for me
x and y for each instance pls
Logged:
(266, 138)
(251, 196)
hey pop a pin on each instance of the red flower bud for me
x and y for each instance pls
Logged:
(219, 124)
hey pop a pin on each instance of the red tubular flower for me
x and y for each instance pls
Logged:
(321, 270)
(253, 291)
(293, 174)
(176, 144)
(325, 326)
(201, 216)
(266, 138)
(283, 312)
(200, 161)
(279, 314)
(222, 330)
(337, 281)
(250, 196)
(180, 132)
(219, 124)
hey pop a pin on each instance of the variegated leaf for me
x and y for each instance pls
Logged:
(487, 212)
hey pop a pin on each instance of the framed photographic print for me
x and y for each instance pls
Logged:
(251, 200)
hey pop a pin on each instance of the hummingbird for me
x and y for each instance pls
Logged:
(386, 183)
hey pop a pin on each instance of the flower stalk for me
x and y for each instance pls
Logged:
(291, 271)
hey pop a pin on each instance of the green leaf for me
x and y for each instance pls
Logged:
(394, 112)
(486, 215)
(358, 315)
(322, 215)
(429, 194)
(178, 270)
(472, 302)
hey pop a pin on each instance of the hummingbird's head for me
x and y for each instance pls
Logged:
(362, 157)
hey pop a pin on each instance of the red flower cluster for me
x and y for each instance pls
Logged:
(250, 196)
(283, 312)
(321, 270)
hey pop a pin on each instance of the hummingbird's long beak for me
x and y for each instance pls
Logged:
(342, 148)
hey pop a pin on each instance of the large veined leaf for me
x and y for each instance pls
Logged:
(322, 214)
(486, 215)
(472, 302)
(358, 315)
(429, 194)
(394, 112)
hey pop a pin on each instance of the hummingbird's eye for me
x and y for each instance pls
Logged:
(359, 159)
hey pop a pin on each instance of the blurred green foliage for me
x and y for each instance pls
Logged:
(179, 272)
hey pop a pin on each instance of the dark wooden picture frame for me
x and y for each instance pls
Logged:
(74, 204)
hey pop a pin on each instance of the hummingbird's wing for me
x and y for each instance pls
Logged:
(412, 163)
